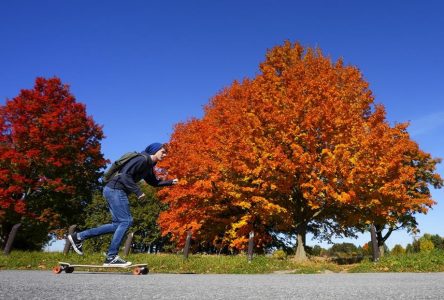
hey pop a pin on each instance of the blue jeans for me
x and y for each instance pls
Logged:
(118, 205)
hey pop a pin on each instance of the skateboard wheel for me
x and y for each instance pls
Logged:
(144, 271)
(137, 271)
(57, 270)
(69, 270)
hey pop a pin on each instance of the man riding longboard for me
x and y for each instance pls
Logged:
(116, 192)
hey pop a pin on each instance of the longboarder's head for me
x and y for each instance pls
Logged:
(157, 151)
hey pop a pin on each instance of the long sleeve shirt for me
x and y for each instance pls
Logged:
(138, 168)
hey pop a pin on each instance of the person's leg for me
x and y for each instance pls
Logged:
(77, 238)
(121, 217)
(103, 229)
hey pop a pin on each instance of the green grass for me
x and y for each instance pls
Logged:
(432, 261)
(171, 263)
(212, 264)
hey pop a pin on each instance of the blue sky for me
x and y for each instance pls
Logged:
(142, 66)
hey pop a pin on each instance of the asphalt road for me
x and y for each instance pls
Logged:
(84, 285)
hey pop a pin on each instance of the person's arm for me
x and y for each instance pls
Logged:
(151, 179)
(161, 183)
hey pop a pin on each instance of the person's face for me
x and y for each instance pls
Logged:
(160, 155)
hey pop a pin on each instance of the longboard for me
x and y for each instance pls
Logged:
(137, 269)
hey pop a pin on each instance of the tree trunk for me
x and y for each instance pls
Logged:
(11, 238)
(374, 239)
(381, 250)
(300, 246)
(382, 238)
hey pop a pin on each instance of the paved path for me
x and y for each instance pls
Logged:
(83, 285)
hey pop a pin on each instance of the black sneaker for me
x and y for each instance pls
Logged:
(115, 261)
(75, 243)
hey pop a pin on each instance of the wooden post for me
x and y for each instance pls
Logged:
(250, 246)
(187, 245)
(128, 241)
(375, 247)
(71, 230)
(11, 238)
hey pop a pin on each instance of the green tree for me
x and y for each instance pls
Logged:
(398, 250)
(416, 246)
(438, 241)
(426, 245)
(316, 250)
(347, 248)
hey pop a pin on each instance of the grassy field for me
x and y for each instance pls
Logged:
(205, 264)
(432, 261)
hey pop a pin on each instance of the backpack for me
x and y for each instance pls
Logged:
(118, 165)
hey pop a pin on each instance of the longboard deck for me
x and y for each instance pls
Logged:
(69, 268)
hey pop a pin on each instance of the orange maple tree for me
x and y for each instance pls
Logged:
(272, 155)
(390, 176)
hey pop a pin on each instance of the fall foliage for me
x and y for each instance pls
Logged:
(299, 148)
(390, 176)
(50, 157)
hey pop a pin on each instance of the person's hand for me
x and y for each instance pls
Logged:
(175, 181)
(141, 197)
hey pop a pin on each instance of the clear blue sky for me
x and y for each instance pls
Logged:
(142, 66)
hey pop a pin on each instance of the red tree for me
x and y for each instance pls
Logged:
(50, 157)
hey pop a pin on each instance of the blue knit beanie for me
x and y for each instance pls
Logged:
(153, 148)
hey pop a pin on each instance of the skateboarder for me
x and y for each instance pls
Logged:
(116, 193)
